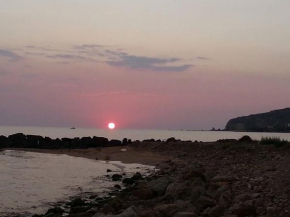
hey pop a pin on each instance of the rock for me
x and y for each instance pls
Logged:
(108, 170)
(159, 186)
(79, 209)
(128, 181)
(245, 210)
(77, 202)
(204, 202)
(117, 186)
(197, 192)
(143, 194)
(168, 209)
(245, 139)
(137, 176)
(55, 210)
(256, 195)
(217, 211)
(185, 214)
(243, 197)
(125, 141)
(178, 190)
(117, 177)
(115, 142)
(171, 139)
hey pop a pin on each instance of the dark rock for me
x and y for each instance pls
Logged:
(204, 202)
(116, 177)
(217, 211)
(159, 186)
(115, 142)
(108, 170)
(129, 181)
(77, 202)
(168, 209)
(245, 139)
(117, 186)
(79, 209)
(55, 210)
(185, 214)
(125, 141)
(245, 210)
(143, 194)
(137, 176)
(171, 139)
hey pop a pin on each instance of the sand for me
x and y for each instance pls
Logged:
(124, 154)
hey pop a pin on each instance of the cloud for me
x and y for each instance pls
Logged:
(202, 58)
(70, 57)
(154, 64)
(88, 46)
(113, 56)
(10, 55)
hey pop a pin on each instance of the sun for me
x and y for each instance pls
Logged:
(111, 126)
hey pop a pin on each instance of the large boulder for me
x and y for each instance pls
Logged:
(18, 140)
(159, 186)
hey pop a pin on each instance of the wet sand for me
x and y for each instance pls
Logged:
(124, 154)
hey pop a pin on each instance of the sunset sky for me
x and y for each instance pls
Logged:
(154, 64)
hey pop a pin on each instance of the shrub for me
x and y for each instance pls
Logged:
(276, 141)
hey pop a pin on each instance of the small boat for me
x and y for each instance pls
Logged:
(72, 128)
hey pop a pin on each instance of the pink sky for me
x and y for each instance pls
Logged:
(142, 65)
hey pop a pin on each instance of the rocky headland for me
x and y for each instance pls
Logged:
(273, 121)
(229, 178)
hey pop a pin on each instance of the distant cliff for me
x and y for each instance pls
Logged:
(273, 121)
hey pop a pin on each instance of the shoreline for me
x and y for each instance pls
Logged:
(131, 155)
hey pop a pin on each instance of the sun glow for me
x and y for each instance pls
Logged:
(111, 126)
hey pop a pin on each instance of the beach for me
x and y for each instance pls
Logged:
(230, 178)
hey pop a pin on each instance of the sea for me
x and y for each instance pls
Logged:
(32, 182)
(205, 136)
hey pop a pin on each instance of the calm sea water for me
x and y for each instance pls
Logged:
(206, 136)
(31, 182)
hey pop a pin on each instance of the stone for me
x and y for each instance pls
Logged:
(185, 214)
(168, 209)
(171, 139)
(79, 209)
(197, 192)
(245, 210)
(137, 176)
(116, 177)
(204, 202)
(159, 186)
(128, 181)
(77, 202)
(217, 211)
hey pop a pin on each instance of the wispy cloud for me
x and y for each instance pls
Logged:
(88, 46)
(70, 57)
(202, 58)
(154, 64)
(114, 56)
(13, 57)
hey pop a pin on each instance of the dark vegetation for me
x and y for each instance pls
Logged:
(276, 141)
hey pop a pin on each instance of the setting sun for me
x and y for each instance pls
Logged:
(111, 126)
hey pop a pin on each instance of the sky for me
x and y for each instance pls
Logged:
(187, 64)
